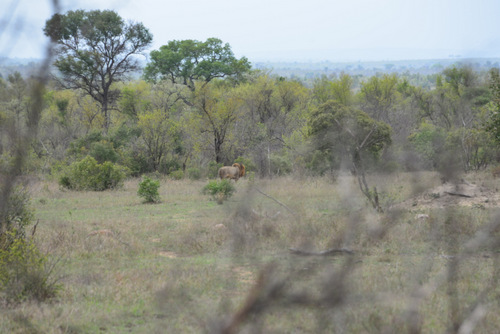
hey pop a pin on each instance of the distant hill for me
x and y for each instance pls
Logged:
(311, 70)
(308, 70)
(25, 66)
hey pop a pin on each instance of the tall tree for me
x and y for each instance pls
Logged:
(378, 96)
(94, 50)
(219, 107)
(273, 109)
(341, 130)
(338, 89)
(188, 61)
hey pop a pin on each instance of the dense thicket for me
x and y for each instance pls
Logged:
(276, 125)
(199, 107)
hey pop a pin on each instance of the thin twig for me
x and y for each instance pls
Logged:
(274, 199)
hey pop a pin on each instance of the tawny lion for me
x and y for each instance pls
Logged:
(232, 172)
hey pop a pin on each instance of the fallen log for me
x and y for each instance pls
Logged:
(457, 194)
(328, 252)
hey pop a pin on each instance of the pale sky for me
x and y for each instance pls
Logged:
(291, 30)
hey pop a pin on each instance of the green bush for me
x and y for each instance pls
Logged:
(168, 166)
(87, 174)
(103, 151)
(148, 189)
(177, 175)
(219, 190)
(17, 215)
(280, 165)
(24, 271)
(213, 169)
(194, 173)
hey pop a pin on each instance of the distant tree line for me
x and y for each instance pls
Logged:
(197, 107)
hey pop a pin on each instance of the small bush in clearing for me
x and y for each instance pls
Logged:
(219, 190)
(148, 189)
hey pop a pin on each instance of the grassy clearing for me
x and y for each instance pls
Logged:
(186, 264)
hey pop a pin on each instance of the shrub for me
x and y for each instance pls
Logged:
(168, 166)
(16, 217)
(24, 271)
(177, 175)
(194, 173)
(148, 189)
(87, 174)
(213, 169)
(219, 190)
(280, 165)
(103, 151)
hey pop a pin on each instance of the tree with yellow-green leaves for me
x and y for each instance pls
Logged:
(159, 134)
(218, 107)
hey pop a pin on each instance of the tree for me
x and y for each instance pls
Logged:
(218, 107)
(493, 125)
(273, 109)
(378, 96)
(345, 131)
(339, 89)
(159, 134)
(185, 62)
(94, 50)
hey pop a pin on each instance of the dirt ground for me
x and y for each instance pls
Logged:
(455, 194)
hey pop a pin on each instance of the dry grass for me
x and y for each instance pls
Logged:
(187, 264)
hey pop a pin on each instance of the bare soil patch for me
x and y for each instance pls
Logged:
(455, 194)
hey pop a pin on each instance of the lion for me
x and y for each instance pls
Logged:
(233, 172)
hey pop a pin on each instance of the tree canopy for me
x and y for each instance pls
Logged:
(94, 50)
(187, 61)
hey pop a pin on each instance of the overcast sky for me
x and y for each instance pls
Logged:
(291, 30)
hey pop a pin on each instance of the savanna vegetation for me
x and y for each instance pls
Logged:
(370, 203)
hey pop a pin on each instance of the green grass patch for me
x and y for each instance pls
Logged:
(185, 263)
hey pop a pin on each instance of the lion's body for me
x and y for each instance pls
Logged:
(233, 172)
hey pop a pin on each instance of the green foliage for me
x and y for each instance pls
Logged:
(337, 129)
(280, 165)
(103, 151)
(429, 142)
(378, 95)
(194, 173)
(168, 166)
(322, 162)
(116, 147)
(17, 215)
(177, 174)
(24, 270)
(219, 190)
(493, 124)
(475, 147)
(159, 134)
(88, 174)
(95, 49)
(148, 189)
(185, 62)
(213, 169)
(339, 90)
(82, 145)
